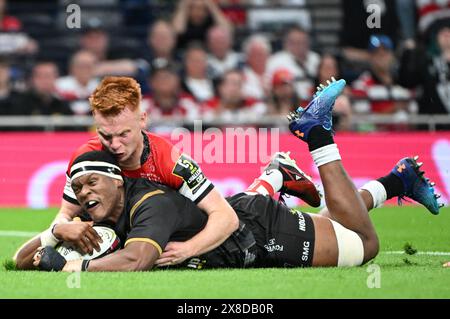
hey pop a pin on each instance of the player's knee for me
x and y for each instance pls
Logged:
(371, 247)
(351, 246)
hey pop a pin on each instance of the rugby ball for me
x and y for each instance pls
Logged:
(110, 244)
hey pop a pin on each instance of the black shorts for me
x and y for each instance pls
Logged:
(284, 236)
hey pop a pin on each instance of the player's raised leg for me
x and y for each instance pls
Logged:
(355, 235)
(283, 175)
(404, 180)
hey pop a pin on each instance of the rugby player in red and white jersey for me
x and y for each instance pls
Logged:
(121, 130)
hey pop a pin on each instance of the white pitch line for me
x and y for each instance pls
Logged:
(432, 253)
(15, 233)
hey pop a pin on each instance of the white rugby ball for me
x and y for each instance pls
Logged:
(110, 244)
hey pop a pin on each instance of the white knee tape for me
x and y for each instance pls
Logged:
(350, 245)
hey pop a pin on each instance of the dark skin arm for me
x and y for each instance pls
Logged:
(136, 256)
(81, 234)
(24, 256)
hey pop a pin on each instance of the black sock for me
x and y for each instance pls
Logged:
(319, 137)
(393, 185)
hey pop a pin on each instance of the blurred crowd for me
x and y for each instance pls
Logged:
(192, 65)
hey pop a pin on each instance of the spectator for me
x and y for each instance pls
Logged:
(9, 98)
(12, 38)
(298, 58)
(283, 98)
(230, 105)
(430, 14)
(358, 24)
(379, 85)
(80, 83)
(7, 22)
(95, 39)
(220, 45)
(161, 42)
(360, 20)
(257, 51)
(167, 98)
(196, 80)
(42, 97)
(235, 11)
(342, 110)
(429, 73)
(193, 18)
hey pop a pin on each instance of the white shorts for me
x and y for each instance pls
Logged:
(350, 246)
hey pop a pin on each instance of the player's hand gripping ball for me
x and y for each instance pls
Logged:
(110, 244)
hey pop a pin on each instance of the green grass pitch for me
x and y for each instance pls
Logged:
(391, 274)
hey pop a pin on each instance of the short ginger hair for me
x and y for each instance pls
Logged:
(114, 94)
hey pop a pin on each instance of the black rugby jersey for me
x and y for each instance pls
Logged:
(157, 214)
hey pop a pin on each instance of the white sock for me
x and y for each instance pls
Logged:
(378, 192)
(325, 154)
(274, 178)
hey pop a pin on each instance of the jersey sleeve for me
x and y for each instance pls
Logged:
(153, 219)
(181, 172)
(68, 193)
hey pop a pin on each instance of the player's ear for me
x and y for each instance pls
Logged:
(118, 183)
(143, 120)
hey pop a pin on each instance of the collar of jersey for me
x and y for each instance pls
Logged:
(146, 150)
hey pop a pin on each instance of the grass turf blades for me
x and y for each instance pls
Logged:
(405, 267)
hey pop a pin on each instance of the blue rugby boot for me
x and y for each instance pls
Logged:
(415, 185)
(318, 111)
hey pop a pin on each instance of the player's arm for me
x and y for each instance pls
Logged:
(52, 236)
(136, 256)
(152, 223)
(222, 222)
(67, 212)
(222, 219)
(24, 256)
(153, 220)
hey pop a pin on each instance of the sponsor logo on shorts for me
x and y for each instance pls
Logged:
(273, 246)
(301, 222)
(249, 258)
(301, 219)
(196, 263)
(305, 251)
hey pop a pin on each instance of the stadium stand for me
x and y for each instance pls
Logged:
(125, 24)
